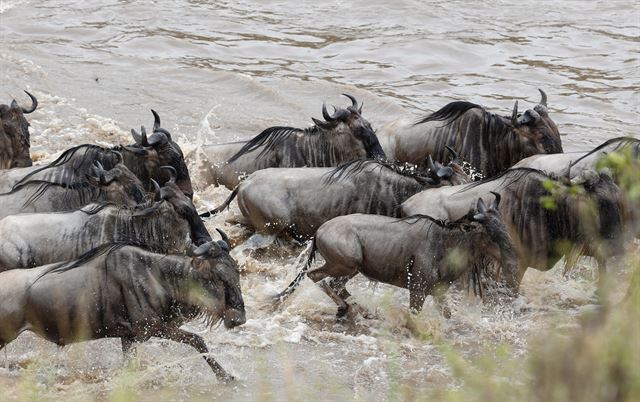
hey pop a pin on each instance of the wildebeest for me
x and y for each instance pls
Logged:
(167, 153)
(418, 253)
(14, 134)
(547, 218)
(167, 224)
(489, 142)
(117, 185)
(121, 291)
(145, 159)
(343, 136)
(299, 200)
(572, 164)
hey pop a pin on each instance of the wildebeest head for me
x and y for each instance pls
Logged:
(171, 197)
(600, 209)
(159, 150)
(15, 152)
(121, 186)
(350, 121)
(493, 224)
(450, 174)
(537, 128)
(214, 267)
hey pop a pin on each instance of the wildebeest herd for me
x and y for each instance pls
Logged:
(106, 242)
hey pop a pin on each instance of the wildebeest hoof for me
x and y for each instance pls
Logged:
(225, 378)
(342, 312)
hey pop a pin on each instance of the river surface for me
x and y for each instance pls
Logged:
(217, 71)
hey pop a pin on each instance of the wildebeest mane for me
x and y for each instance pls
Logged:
(514, 175)
(352, 168)
(84, 190)
(269, 139)
(82, 164)
(90, 255)
(622, 141)
(450, 112)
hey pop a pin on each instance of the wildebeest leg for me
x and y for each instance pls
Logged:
(319, 274)
(339, 285)
(196, 341)
(603, 286)
(416, 299)
(127, 344)
(438, 295)
(343, 306)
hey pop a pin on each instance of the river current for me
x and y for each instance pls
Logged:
(218, 71)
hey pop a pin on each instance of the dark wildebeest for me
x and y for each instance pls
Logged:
(145, 159)
(299, 200)
(546, 218)
(121, 291)
(117, 185)
(14, 134)
(418, 253)
(489, 142)
(342, 137)
(168, 224)
(573, 164)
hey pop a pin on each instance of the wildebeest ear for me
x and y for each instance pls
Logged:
(514, 115)
(136, 150)
(147, 211)
(321, 124)
(14, 104)
(481, 207)
(137, 138)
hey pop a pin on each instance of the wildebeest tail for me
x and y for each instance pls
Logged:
(222, 206)
(294, 284)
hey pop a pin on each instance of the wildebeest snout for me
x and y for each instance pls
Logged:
(234, 317)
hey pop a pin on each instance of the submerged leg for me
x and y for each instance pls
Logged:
(438, 295)
(196, 341)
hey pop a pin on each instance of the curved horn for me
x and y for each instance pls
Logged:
(325, 114)
(34, 104)
(514, 115)
(224, 236)
(118, 156)
(143, 137)
(496, 202)
(163, 131)
(156, 191)
(431, 165)
(354, 102)
(172, 172)
(156, 120)
(98, 165)
(454, 155)
(543, 98)
(200, 250)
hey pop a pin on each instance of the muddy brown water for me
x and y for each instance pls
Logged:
(224, 70)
